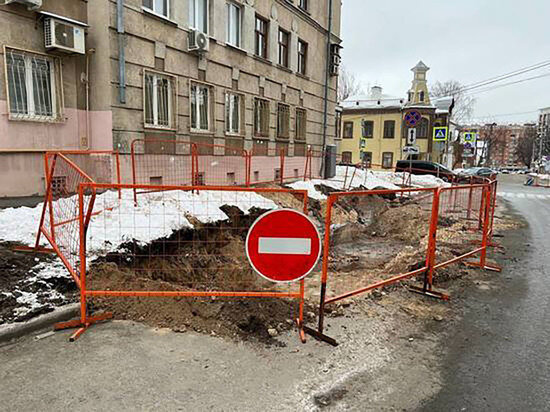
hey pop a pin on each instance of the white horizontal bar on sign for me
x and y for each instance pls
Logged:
(284, 246)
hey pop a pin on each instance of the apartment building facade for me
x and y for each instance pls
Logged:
(242, 74)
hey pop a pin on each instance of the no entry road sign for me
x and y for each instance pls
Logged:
(283, 245)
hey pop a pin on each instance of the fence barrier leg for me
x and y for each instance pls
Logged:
(427, 288)
(487, 202)
(318, 334)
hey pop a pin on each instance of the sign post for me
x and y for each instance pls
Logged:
(283, 245)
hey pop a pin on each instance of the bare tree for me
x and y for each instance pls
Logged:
(494, 141)
(524, 148)
(348, 85)
(464, 104)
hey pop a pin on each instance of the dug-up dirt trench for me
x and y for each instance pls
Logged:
(372, 239)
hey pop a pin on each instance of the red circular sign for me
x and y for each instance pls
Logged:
(283, 245)
(412, 118)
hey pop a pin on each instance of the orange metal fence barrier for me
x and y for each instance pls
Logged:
(181, 241)
(465, 209)
(173, 162)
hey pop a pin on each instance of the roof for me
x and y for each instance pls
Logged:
(420, 66)
(368, 101)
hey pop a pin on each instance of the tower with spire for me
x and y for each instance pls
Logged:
(418, 93)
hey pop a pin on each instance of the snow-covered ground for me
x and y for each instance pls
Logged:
(156, 216)
(348, 178)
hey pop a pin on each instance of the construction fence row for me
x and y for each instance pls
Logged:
(187, 240)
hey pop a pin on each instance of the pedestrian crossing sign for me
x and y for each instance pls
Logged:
(469, 137)
(440, 134)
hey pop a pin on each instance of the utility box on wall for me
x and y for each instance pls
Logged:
(330, 161)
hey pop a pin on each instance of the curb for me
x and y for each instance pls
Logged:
(16, 330)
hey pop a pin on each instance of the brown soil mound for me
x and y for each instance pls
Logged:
(209, 257)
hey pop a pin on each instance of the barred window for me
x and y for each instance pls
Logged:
(261, 117)
(32, 86)
(301, 124)
(200, 107)
(283, 121)
(159, 99)
(233, 113)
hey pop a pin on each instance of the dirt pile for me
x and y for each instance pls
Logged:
(209, 257)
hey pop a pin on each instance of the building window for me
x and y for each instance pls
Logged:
(422, 129)
(283, 47)
(348, 130)
(301, 124)
(346, 157)
(366, 158)
(32, 86)
(283, 121)
(389, 129)
(367, 129)
(233, 113)
(338, 124)
(387, 160)
(302, 57)
(234, 24)
(200, 107)
(160, 7)
(411, 96)
(261, 117)
(303, 4)
(159, 100)
(421, 96)
(198, 15)
(261, 37)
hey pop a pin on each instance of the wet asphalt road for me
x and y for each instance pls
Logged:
(499, 354)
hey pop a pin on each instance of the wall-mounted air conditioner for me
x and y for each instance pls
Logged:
(31, 4)
(198, 41)
(63, 36)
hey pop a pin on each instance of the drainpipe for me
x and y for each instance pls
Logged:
(327, 80)
(121, 55)
(88, 137)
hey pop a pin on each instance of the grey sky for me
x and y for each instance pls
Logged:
(464, 40)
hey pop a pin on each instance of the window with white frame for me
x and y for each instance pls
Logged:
(32, 86)
(233, 113)
(158, 6)
(200, 107)
(234, 23)
(159, 100)
(198, 15)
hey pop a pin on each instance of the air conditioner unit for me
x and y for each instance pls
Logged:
(198, 41)
(31, 4)
(62, 36)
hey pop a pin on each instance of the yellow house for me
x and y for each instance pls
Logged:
(374, 132)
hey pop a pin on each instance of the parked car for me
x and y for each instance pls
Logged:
(424, 167)
(479, 171)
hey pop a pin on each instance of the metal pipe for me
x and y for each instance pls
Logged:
(121, 51)
(327, 80)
